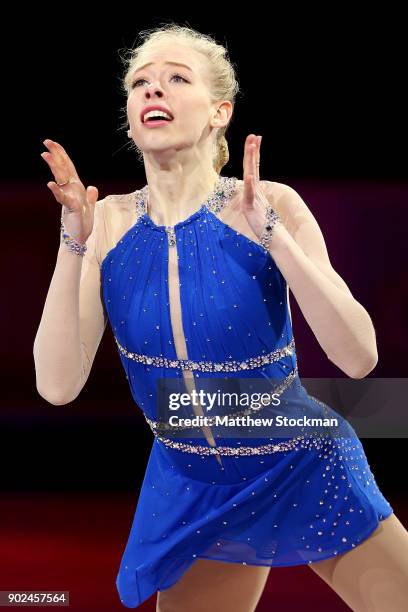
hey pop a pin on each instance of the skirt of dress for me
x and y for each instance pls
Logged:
(303, 501)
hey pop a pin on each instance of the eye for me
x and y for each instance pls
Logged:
(135, 83)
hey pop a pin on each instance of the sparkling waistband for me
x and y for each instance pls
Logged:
(209, 366)
(244, 451)
(314, 439)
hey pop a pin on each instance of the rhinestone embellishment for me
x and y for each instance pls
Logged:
(224, 189)
(272, 217)
(209, 366)
(264, 449)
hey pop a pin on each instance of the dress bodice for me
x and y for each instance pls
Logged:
(200, 300)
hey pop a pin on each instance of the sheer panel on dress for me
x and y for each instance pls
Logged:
(179, 336)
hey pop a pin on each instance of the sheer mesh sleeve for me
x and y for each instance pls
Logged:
(114, 215)
(92, 314)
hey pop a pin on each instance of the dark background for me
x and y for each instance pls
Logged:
(327, 93)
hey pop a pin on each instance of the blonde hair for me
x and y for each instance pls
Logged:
(223, 82)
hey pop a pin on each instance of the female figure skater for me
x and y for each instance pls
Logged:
(192, 272)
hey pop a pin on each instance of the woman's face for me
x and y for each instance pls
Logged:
(181, 89)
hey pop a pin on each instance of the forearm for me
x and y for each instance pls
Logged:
(57, 345)
(341, 325)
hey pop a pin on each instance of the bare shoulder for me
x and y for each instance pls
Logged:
(280, 194)
(289, 205)
(118, 213)
(303, 227)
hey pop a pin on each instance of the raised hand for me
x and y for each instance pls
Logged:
(78, 203)
(252, 201)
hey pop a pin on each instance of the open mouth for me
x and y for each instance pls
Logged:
(152, 119)
(153, 122)
(155, 115)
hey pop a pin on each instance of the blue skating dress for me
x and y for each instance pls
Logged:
(201, 301)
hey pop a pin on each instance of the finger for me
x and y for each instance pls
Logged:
(61, 157)
(57, 192)
(254, 157)
(58, 170)
(92, 194)
(256, 160)
(247, 164)
(55, 151)
(248, 191)
(253, 164)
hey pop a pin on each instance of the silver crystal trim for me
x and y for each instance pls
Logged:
(224, 190)
(209, 366)
(272, 218)
(264, 449)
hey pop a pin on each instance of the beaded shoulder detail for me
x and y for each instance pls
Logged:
(140, 197)
(223, 192)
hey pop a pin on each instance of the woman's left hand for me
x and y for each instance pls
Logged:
(253, 202)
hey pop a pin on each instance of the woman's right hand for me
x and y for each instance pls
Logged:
(78, 203)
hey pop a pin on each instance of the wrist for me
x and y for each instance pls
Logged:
(71, 243)
(272, 220)
(279, 240)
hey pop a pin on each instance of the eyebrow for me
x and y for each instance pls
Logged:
(173, 63)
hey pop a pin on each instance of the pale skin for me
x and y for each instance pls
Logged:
(372, 577)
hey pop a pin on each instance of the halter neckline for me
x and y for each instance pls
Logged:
(224, 190)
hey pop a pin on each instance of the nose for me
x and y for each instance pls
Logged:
(152, 89)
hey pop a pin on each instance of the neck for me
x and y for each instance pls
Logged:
(175, 196)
